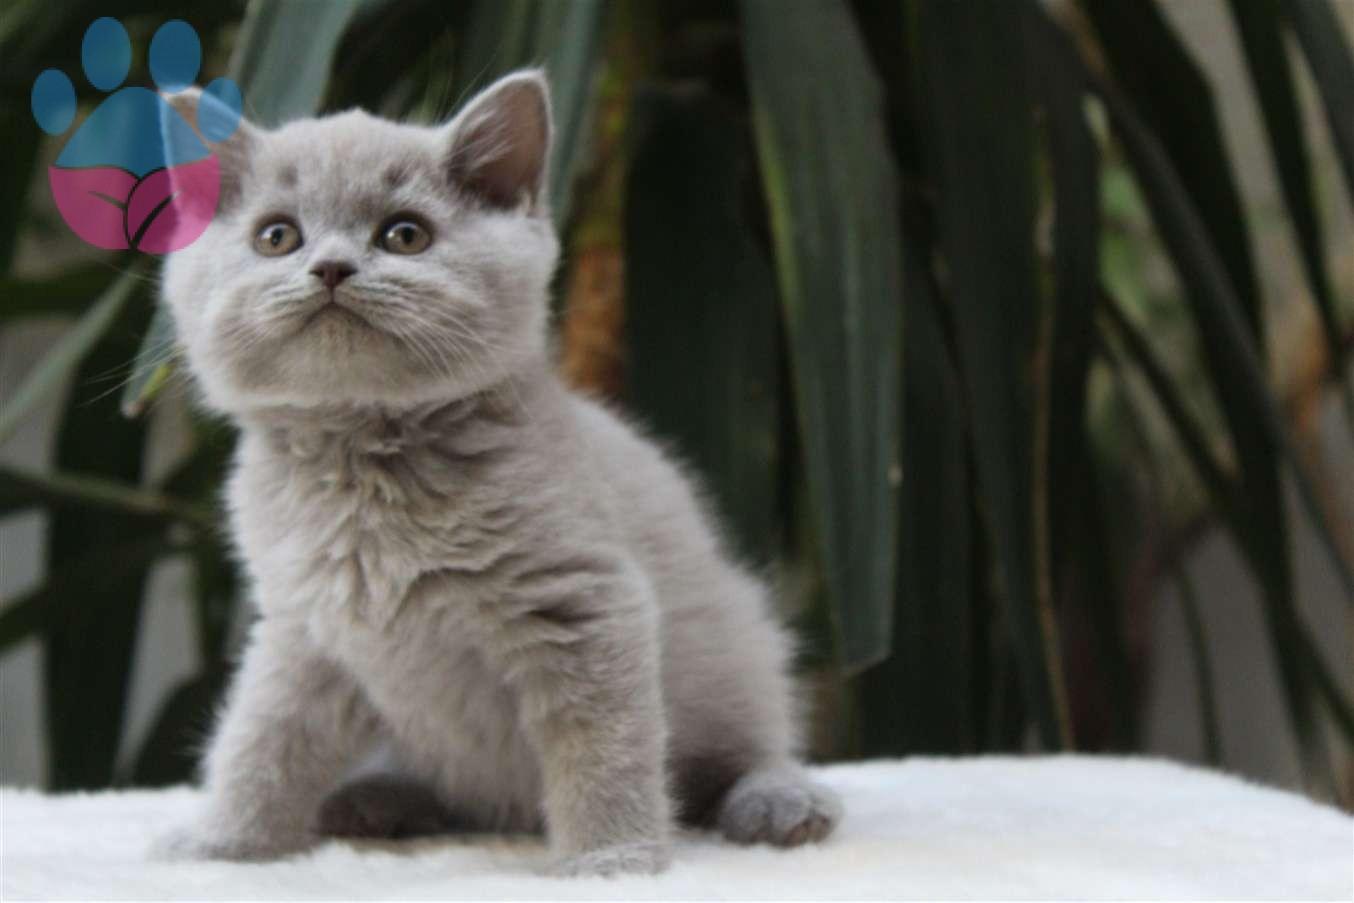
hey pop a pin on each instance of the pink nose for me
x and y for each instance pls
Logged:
(332, 272)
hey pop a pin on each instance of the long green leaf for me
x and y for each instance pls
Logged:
(56, 490)
(65, 294)
(1184, 176)
(1262, 32)
(833, 195)
(1141, 354)
(185, 717)
(1253, 416)
(934, 619)
(77, 586)
(65, 356)
(1203, 666)
(87, 653)
(1221, 485)
(1328, 56)
(980, 147)
(1301, 667)
(284, 53)
(1252, 413)
(425, 31)
(1081, 565)
(701, 308)
(1299, 647)
(16, 179)
(1174, 100)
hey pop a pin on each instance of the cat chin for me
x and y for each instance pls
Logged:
(336, 319)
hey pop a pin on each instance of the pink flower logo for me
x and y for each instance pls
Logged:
(136, 174)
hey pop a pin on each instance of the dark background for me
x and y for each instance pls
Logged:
(1005, 335)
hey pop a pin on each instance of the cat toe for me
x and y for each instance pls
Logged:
(608, 862)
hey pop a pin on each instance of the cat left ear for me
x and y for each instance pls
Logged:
(500, 143)
(231, 138)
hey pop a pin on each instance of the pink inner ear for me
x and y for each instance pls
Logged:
(500, 152)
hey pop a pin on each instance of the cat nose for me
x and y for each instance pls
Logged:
(332, 272)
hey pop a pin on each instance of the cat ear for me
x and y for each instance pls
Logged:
(215, 122)
(500, 143)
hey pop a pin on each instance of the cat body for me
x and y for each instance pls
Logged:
(457, 561)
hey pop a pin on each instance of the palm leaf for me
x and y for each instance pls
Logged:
(74, 590)
(1169, 92)
(284, 53)
(64, 294)
(832, 192)
(980, 147)
(935, 619)
(1262, 32)
(1081, 565)
(87, 652)
(701, 312)
(21, 488)
(66, 355)
(1229, 349)
(1321, 37)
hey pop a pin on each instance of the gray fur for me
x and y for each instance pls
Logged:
(454, 557)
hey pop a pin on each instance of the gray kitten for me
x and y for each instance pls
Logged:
(456, 560)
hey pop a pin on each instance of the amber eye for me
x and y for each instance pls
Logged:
(404, 237)
(277, 239)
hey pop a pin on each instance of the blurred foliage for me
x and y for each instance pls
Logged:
(873, 267)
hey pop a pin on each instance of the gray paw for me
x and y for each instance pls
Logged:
(194, 842)
(780, 807)
(384, 806)
(622, 859)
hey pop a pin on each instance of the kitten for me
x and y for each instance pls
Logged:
(456, 559)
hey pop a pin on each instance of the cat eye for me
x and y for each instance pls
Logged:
(277, 239)
(404, 237)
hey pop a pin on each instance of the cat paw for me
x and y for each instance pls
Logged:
(781, 807)
(195, 843)
(608, 862)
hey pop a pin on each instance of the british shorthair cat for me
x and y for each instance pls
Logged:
(495, 582)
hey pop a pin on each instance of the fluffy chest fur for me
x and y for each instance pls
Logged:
(398, 545)
(350, 519)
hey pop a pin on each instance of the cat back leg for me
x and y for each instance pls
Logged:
(387, 807)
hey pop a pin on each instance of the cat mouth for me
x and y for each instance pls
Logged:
(333, 310)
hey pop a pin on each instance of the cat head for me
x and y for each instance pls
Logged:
(357, 260)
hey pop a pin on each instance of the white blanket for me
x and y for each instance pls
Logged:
(1068, 827)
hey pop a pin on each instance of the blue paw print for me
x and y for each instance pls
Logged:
(134, 129)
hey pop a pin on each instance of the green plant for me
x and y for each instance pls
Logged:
(838, 300)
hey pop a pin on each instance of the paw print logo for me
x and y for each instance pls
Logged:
(135, 174)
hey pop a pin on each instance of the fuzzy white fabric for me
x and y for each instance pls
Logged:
(1066, 827)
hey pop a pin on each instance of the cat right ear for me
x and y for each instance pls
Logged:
(215, 119)
(499, 145)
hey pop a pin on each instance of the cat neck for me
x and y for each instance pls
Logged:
(495, 415)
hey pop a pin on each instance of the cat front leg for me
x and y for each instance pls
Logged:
(585, 663)
(292, 725)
